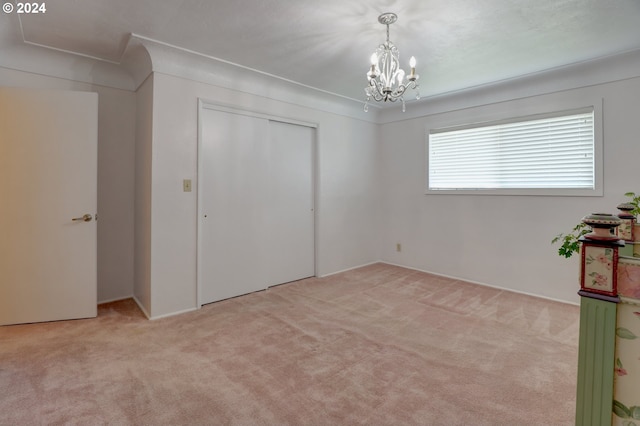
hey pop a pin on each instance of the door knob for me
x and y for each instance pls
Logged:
(85, 218)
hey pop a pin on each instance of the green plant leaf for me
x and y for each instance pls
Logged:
(618, 363)
(570, 244)
(624, 333)
(635, 201)
(620, 410)
(581, 226)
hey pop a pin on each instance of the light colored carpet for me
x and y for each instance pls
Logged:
(379, 345)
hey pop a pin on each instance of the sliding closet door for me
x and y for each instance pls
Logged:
(233, 223)
(256, 226)
(290, 203)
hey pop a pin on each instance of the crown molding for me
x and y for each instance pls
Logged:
(604, 70)
(179, 62)
(143, 56)
(18, 55)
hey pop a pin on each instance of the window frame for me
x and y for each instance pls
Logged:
(502, 118)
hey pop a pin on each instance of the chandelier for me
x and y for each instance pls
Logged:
(386, 78)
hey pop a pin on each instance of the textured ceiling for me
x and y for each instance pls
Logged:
(327, 44)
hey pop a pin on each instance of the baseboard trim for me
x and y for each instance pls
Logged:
(483, 284)
(117, 299)
(144, 311)
(152, 318)
(351, 269)
(184, 311)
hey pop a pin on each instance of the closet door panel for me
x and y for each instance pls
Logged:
(234, 221)
(290, 207)
(256, 224)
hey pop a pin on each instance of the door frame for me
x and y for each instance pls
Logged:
(204, 104)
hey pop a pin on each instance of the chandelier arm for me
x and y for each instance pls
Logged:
(382, 94)
(379, 93)
(377, 96)
(400, 91)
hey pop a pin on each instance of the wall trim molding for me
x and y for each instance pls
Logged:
(350, 269)
(184, 63)
(609, 69)
(170, 314)
(143, 55)
(117, 299)
(538, 296)
(141, 306)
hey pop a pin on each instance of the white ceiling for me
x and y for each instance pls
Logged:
(327, 44)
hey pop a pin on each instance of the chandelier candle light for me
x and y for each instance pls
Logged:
(385, 76)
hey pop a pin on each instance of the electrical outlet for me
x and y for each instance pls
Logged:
(398, 247)
(186, 185)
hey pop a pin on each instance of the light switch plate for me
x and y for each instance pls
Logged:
(186, 185)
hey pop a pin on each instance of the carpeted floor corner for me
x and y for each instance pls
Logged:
(379, 345)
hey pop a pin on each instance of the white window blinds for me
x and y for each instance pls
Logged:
(551, 151)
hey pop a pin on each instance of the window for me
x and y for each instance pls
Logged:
(532, 155)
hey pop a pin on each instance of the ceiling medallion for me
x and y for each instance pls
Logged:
(386, 78)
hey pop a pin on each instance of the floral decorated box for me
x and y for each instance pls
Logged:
(629, 277)
(598, 266)
(625, 230)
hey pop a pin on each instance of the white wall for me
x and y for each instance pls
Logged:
(142, 205)
(116, 124)
(370, 178)
(347, 186)
(502, 241)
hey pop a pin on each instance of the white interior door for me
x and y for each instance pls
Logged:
(256, 225)
(232, 230)
(290, 206)
(48, 176)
